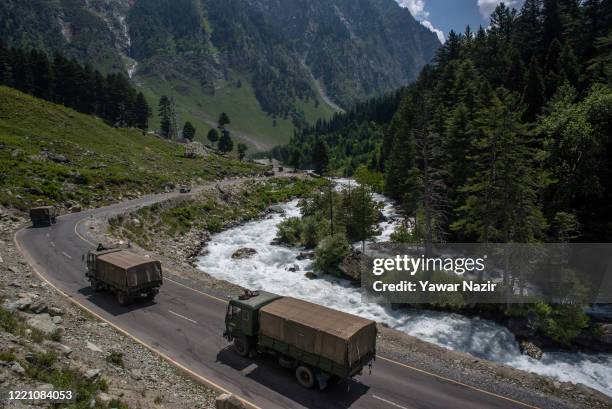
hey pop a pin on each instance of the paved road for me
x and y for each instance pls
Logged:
(185, 326)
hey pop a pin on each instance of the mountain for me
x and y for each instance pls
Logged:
(270, 64)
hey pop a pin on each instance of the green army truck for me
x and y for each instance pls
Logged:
(123, 273)
(43, 216)
(319, 343)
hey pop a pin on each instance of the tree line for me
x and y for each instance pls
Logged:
(80, 87)
(504, 137)
(220, 136)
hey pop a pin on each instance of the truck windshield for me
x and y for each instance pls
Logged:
(233, 311)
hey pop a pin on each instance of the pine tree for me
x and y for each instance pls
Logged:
(223, 120)
(501, 202)
(142, 112)
(6, 75)
(552, 22)
(226, 144)
(320, 157)
(533, 95)
(42, 75)
(295, 158)
(189, 131)
(165, 113)
(213, 136)
(242, 149)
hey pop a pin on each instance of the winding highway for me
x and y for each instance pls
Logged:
(185, 326)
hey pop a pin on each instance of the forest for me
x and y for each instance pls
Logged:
(80, 87)
(504, 137)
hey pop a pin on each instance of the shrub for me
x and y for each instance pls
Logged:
(330, 252)
(115, 358)
(290, 231)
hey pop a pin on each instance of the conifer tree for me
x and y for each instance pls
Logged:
(213, 136)
(226, 144)
(189, 131)
(533, 95)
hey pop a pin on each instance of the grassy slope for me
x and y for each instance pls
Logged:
(132, 163)
(239, 103)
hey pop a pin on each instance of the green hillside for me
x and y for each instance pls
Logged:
(234, 96)
(49, 153)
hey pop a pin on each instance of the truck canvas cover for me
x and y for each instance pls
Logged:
(335, 335)
(126, 269)
(43, 211)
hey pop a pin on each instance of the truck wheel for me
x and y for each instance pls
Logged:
(241, 346)
(305, 376)
(123, 299)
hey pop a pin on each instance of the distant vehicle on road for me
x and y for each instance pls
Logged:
(127, 275)
(43, 216)
(185, 189)
(319, 343)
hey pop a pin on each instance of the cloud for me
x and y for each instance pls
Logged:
(436, 31)
(417, 9)
(487, 6)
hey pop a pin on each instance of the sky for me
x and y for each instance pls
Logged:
(442, 16)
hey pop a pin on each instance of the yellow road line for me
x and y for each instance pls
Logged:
(138, 340)
(377, 356)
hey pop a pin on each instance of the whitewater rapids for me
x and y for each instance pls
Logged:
(268, 270)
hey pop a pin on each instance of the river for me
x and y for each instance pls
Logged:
(268, 270)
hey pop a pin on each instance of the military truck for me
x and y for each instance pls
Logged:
(123, 273)
(320, 344)
(43, 216)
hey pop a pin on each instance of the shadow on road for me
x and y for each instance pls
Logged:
(108, 302)
(264, 370)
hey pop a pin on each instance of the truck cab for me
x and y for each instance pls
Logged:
(242, 318)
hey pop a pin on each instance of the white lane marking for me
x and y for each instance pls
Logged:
(248, 369)
(52, 244)
(182, 316)
(67, 255)
(389, 402)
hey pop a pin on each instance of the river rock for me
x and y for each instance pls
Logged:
(305, 255)
(530, 349)
(310, 274)
(606, 334)
(351, 266)
(293, 268)
(244, 253)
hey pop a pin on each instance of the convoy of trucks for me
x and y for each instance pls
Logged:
(319, 343)
(43, 216)
(127, 275)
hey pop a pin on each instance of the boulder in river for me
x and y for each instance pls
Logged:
(305, 255)
(530, 349)
(244, 253)
(310, 274)
(293, 268)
